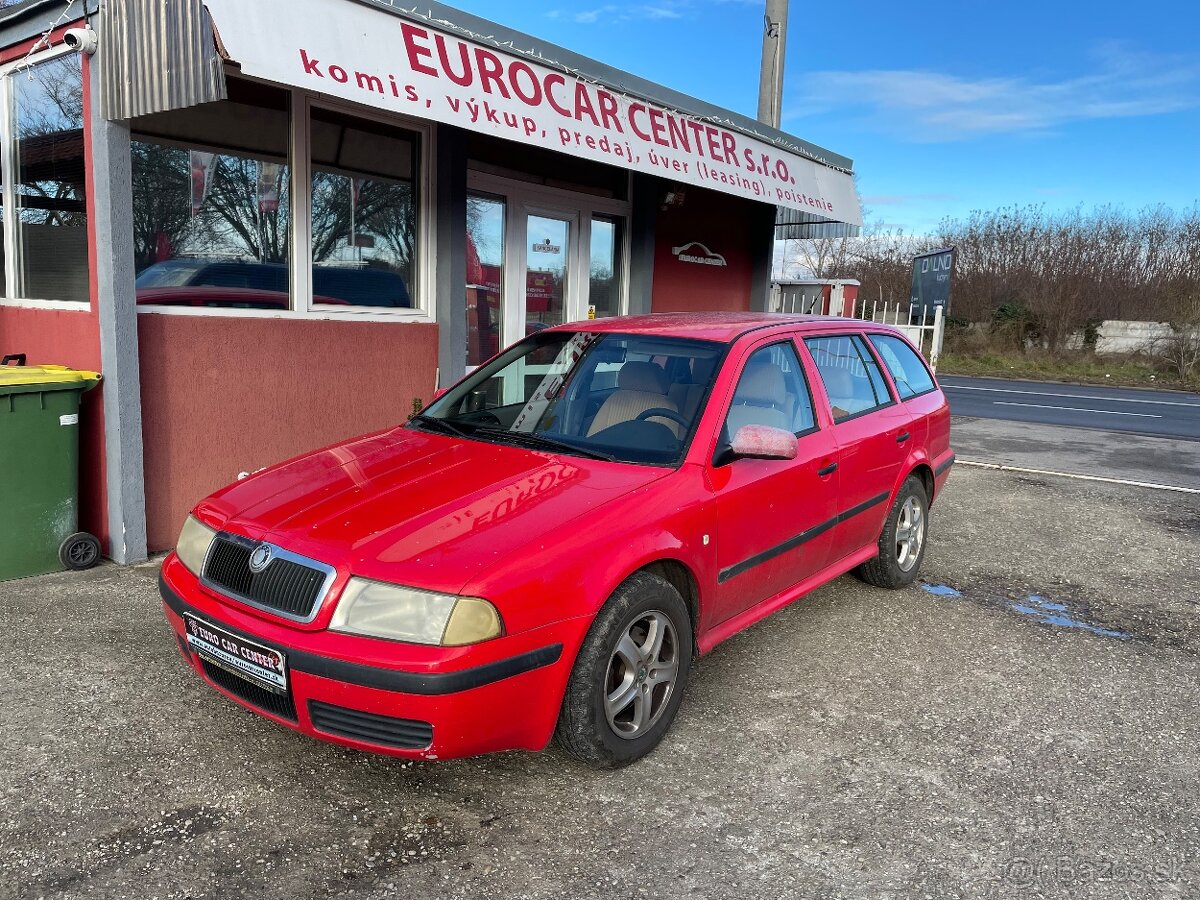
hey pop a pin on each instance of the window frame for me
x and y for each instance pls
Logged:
(300, 275)
(871, 335)
(9, 168)
(891, 401)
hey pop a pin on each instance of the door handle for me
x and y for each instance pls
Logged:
(827, 470)
(902, 437)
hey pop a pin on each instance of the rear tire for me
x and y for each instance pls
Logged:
(630, 675)
(902, 543)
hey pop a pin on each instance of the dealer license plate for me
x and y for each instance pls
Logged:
(256, 663)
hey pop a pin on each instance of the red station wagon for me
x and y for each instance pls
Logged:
(547, 547)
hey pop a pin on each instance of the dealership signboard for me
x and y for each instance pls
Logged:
(371, 56)
(931, 282)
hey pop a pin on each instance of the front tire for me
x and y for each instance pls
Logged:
(629, 676)
(902, 543)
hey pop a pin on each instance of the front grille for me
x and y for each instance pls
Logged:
(362, 726)
(268, 701)
(284, 586)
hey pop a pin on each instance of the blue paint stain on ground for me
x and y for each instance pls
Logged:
(1038, 607)
(940, 590)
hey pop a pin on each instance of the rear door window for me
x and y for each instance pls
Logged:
(853, 382)
(908, 370)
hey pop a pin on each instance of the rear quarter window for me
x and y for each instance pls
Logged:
(908, 370)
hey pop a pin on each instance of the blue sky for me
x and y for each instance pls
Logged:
(944, 107)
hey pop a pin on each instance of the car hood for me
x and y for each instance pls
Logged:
(426, 510)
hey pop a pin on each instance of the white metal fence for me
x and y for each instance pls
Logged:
(923, 328)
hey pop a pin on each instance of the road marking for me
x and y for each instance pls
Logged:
(967, 387)
(1103, 412)
(1000, 467)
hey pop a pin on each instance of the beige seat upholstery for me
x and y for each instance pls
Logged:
(640, 386)
(761, 399)
(839, 385)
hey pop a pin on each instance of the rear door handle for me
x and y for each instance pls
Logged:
(902, 437)
(828, 470)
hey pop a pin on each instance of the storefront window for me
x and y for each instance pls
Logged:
(51, 239)
(364, 212)
(211, 204)
(604, 294)
(485, 276)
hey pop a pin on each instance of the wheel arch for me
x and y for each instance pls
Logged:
(925, 473)
(683, 579)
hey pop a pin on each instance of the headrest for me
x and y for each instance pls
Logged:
(642, 376)
(762, 384)
(838, 382)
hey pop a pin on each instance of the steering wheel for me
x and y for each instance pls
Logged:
(661, 412)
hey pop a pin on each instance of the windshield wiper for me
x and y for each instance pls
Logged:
(439, 425)
(540, 440)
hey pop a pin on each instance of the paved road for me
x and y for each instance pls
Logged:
(1174, 414)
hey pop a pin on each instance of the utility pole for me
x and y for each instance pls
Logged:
(770, 79)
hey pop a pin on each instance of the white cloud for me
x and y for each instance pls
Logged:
(614, 12)
(923, 105)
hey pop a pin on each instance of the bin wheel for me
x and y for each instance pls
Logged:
(80, 551)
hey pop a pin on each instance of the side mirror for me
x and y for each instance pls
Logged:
(763, 442)
(439, 392)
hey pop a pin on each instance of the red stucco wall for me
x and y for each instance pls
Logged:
(227, 395)
(723, 224)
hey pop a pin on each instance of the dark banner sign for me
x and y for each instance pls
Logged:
(931, 282)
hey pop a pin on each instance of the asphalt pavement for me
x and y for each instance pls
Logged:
(1171, 414)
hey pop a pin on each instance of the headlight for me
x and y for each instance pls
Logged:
(194, 541)
(375, 609)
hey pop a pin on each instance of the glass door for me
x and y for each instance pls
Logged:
(543, 287)
(548, 279)
(538, 257)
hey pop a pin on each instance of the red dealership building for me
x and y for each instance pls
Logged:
(273, 225)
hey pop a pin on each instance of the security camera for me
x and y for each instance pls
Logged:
(81, 39)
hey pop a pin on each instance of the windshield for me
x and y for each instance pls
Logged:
(626, 397)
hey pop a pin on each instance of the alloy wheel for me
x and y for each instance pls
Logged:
(641, 676)
(910, 533)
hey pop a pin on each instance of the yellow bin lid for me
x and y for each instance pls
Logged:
(13, 376)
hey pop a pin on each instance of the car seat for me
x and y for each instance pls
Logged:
(686, 395)
(839, 385)
(640, 386)
(761, 399)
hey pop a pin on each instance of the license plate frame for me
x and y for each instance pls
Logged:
(238, 655)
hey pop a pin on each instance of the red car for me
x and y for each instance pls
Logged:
(546, 548)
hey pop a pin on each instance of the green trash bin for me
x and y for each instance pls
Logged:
(39, 469)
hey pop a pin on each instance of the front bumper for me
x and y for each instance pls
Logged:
(439, 703)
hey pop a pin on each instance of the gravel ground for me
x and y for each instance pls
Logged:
(861, 743)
